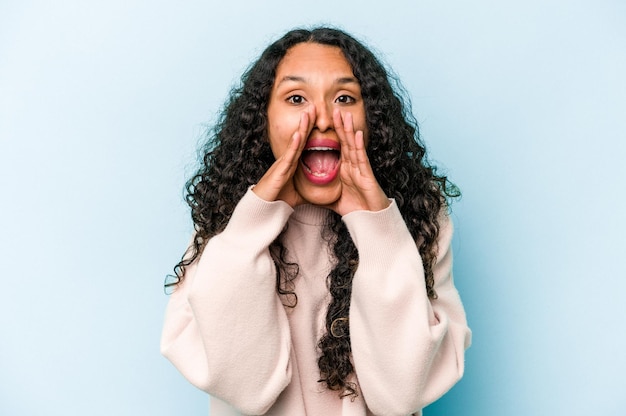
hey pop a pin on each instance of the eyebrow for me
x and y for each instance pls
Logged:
(340, 81)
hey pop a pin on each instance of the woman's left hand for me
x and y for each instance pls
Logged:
(360, 189)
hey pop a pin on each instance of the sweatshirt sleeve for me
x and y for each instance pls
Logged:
(408, 350)
(225, 328)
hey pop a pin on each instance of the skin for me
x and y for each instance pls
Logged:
(316, 96)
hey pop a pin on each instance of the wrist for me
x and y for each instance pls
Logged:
(380, 204)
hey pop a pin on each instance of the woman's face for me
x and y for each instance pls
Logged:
(316, 79)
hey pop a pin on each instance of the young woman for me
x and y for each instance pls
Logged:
(319, 278)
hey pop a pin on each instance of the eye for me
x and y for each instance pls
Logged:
(345, 99)
(295, 99)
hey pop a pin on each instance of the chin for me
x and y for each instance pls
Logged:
(316, 194)
(321, 200)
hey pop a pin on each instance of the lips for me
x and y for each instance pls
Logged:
(320, 160)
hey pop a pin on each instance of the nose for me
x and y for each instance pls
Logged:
(323, 116)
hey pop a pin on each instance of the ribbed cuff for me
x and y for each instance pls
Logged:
(257, 221)
(379, 236)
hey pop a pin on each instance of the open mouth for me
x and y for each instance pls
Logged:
(320, 162)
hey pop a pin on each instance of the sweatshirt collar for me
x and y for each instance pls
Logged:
(311, 214)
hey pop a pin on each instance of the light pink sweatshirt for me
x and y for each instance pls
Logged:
(228, 333)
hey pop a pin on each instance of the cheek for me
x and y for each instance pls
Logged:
(276, 135)
(279, 131)
(274, 132)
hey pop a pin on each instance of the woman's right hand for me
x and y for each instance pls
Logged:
(277, 183)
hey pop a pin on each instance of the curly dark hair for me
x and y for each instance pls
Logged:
(237, 155)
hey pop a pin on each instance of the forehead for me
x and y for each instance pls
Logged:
(308, 57)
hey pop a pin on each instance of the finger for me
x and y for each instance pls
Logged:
(285, 165)
(344, 139)
(297, 142)
(361, 154)
(305, 126)
(348, 128)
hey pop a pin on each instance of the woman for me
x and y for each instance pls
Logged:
(319, 279)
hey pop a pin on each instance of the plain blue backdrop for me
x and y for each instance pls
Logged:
(102, 105)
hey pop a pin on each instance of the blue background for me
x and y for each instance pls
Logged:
(102, 104)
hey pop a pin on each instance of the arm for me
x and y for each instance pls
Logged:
(225, 328)
(407, 350)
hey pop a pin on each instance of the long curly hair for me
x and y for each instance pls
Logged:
(237, 154)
